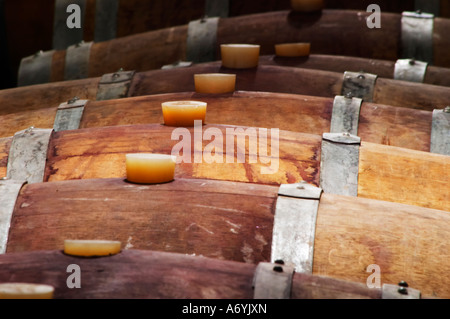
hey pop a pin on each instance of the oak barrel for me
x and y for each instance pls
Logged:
(154, 49)
(381, 124)
(171, 276)
(364, 169)
(242, 222)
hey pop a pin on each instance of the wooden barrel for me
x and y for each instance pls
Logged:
(381, 124)
(383, 68)
(171, 276)
(155, 49)
(340, 164)
(265, 78)
(340, 237)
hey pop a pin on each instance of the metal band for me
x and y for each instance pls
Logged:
(217, 8)
(430, 6)
(105, 19)
(69, 114)
(177, 65)
(35, 69)
(77, 61)
(410, 70)
(295, 224)
(9, 191)
(417, 36)
(115, 85)
(202, 40)
(28, 154)
(272, 281)
(398, 292)
(360, 85)
(63, 36)
(440, 132)
(339, 164)
(345, 116)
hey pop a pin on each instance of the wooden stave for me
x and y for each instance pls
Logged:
(81, 154)
(413, 95)
(360, 224)
(409, 128)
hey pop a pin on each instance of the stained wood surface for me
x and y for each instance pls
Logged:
(171, 276)
(5, 145)
(404, 176)
(381, 124)
(265, 78)
(100, 153)
(404, 242)
(234, 221)
(383, 68)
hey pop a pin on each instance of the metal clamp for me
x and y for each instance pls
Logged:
(202, 40)
(295, 224)
(272, 281)
(28, 155)
(399, 292)
(360, 85)
(35, 69)
(417, 36)
(410, 70)
(440, 132)
(69, 114)
(63, 36)
(9, 191)
(115, 85)
(77, 61)
(345, 116)
(339, 164)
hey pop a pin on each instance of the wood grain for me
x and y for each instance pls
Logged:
(100, 153)
(5, 145)
(407, 243)
(404, 176)
(170, 276)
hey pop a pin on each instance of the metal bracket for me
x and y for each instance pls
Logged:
(28, 155)
(115, 85)
(410, 70)
(417, 36)
(9, 191)
(35, 69)
(217, 8)
(69, 114)
(345, 116)
(339, 164)
(440, 132)
(77, 61)
(272, 281)
(63, 36)
(398, 292)
(202, 40)
(295, 224)
(105, 20)
(177, 65)
(359, 84)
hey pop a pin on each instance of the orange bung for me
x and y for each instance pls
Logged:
(292, 49)
(240, 56)
(144, 168)
(214, 83)
(183, 113)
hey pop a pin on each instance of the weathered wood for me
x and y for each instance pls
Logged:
(383, 68)
(171, 276)
(378, 123)
(282, 80)
(404, 176)
(5, 146)
(234, 221)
